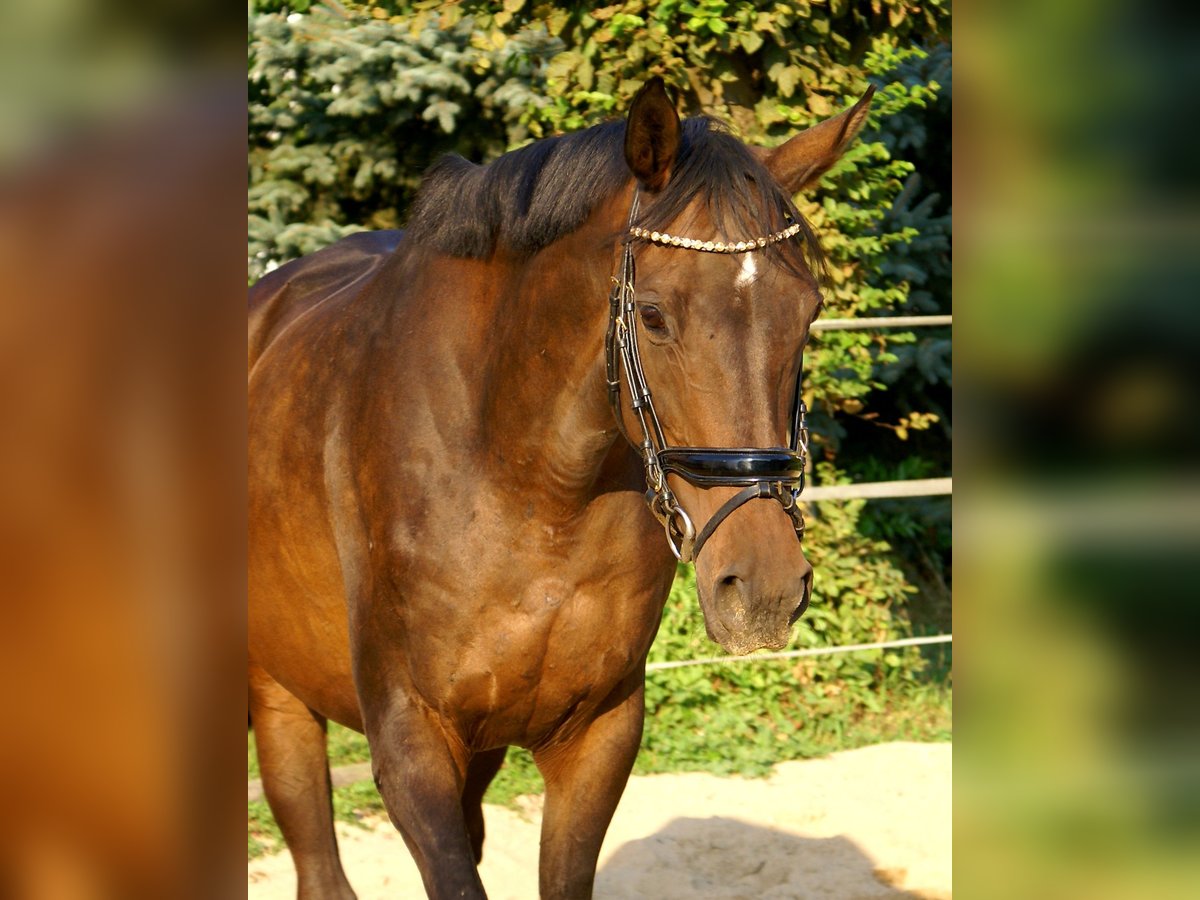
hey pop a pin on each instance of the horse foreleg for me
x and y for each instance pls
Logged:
(480, 772)
(585, 776)
(420, 770)
(295, 774)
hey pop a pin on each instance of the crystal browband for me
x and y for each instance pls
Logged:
(670, 240)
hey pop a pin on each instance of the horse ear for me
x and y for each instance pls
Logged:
(652, 136)
(801, 161)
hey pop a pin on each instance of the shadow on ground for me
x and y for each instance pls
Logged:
(723, 859)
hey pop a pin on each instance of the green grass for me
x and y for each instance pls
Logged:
(763, 739)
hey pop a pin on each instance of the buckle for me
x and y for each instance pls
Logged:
(681, 532)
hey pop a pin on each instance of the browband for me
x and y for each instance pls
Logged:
(670, 240)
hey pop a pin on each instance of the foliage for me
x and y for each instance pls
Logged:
(345, 114)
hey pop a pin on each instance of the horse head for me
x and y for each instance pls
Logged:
(718, 285)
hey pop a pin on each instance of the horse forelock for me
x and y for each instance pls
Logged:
(531, 197)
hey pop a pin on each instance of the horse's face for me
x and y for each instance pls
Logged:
(721, 339)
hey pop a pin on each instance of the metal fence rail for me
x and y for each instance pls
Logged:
(879, 490)
(879, 322)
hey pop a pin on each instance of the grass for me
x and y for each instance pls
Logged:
(922, 715)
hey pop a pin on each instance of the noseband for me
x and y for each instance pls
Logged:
(775, 472)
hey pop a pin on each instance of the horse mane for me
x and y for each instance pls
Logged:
(530, 197)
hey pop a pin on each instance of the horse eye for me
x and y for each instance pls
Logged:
(652, 318)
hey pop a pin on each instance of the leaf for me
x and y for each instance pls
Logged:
(556, 21)
(768, 113)
(585, 74)
(820, 105)
(787, 78)
(750, 41)
(562, 65)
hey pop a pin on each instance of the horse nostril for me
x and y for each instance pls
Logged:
(730, 581)
(798, 612)
(806, 593)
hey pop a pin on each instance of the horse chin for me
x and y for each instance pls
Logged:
(741, 644)
(741, 637)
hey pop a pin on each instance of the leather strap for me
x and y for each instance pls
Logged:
(745, 495)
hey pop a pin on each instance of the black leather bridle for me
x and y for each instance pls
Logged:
(776, 473)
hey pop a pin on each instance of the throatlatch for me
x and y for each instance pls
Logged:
(776, 473)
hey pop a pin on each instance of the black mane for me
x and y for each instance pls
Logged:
(531, 197)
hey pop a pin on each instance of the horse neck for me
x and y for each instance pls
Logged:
(549, 410)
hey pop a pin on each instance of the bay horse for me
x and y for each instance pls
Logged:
(459, 482)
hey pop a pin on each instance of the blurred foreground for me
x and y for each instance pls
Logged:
(121, 457)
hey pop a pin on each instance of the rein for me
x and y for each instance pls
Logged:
(776, 473)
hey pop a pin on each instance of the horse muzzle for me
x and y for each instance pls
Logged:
(751, 607)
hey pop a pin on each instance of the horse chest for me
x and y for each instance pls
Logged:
(549, 653)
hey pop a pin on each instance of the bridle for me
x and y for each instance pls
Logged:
(775, 472)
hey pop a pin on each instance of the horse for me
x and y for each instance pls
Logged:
(467, 506)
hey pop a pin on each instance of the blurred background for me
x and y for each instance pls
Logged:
(1078, 512)
(122, 136)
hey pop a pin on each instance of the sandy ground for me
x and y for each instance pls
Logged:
(867, 823)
